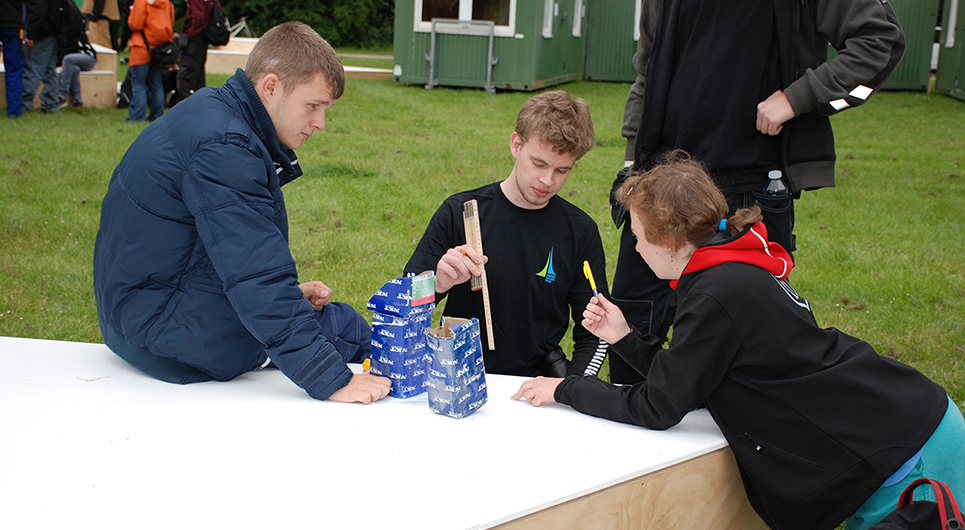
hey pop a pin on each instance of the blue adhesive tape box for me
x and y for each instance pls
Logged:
(456, 380)
(402, 312)
(399, 351)
(405, 296)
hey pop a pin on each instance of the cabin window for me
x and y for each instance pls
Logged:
(550, 10)
(637, 13)
(501, 12)
(579, 11)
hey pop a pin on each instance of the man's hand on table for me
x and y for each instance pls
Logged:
(363, 388)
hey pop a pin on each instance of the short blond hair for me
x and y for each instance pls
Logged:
(559, 120)
(296, 53)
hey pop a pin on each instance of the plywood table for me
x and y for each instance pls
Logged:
(86, 440)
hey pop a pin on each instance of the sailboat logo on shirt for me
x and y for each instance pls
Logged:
(547, 272)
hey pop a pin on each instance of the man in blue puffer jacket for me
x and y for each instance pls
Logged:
(193, 275)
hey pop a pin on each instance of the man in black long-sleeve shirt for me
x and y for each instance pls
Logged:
(534, 243)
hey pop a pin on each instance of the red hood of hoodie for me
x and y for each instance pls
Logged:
(752, 248)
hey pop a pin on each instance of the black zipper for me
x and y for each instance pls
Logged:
(760, 445)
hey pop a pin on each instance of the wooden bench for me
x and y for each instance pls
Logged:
(229, 58)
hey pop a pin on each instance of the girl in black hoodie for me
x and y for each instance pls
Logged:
(822, 427)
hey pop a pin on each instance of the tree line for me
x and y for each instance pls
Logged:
(343, 23)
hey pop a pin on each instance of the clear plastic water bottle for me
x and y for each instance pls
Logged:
(775, 185)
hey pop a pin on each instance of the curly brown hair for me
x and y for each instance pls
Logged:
(678, 202)
(559, 120)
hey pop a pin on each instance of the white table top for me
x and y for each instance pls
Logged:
(87, 440)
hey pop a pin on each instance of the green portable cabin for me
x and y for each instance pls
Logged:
(950, 77)
(490, 44)
(917, 19)
(612, 30)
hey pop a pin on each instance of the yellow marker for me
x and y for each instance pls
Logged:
(589, 276)
(366, 364)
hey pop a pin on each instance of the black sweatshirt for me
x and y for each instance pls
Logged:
(816, 419)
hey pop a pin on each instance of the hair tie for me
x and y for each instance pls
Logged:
(722, 227)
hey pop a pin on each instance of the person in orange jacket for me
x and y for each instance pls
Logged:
(153, 20)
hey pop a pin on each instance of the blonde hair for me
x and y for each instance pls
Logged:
(678, 203)
(296, 53)
(559, 120)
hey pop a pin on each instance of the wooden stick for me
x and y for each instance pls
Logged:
(470, 214)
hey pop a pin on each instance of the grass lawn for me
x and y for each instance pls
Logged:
(880, 256)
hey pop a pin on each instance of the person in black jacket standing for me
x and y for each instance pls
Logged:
(822, 427)
(40, 60)
(747, 88)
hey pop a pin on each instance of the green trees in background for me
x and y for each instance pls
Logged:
(343, 23)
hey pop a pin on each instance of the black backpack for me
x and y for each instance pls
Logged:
(924, 515)
(217, 32)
